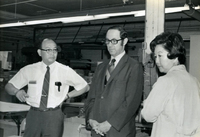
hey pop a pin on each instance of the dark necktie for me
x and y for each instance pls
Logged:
(45, 90)
(110, 68)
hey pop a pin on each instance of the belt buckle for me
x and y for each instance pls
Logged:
(50, 109)
(44, 110)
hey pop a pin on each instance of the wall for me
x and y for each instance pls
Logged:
(18, 59)
(194, 67)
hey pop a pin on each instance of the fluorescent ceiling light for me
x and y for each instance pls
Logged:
(197, 7)
(35, 22)
(117, 14)
(76, 19)
(177, 9)
(140, 13)
(167, 10)
(93, 17)
(12, 25)
(82, 18)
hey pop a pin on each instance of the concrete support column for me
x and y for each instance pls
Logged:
(154, 25)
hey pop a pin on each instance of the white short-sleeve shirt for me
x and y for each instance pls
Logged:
(33, 76)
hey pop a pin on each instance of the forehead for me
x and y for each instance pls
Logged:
(113, 33)
(49, 44)
(160, 49)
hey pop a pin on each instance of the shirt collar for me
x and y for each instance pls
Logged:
(44, 66)
(178, 67)
(118, 57)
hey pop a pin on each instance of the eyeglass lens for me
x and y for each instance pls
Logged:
(50, 50)
(113, 41)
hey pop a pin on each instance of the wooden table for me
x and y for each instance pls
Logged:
(14, 110)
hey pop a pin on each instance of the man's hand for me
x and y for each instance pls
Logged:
(104, 127)
(94, 124)
(21, 95)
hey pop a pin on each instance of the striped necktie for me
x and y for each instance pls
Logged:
(111, 66)
(110, 69)
(45, 90)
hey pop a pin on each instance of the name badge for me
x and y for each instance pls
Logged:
(32, 82)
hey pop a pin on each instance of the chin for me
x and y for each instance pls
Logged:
(51, 61)
(111, 52)
(161, 70)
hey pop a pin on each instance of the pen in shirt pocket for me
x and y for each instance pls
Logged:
(59, 84)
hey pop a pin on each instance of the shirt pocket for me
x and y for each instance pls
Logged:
(32, 90)
(59, 89)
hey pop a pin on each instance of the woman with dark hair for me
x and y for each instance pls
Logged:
(173, 105)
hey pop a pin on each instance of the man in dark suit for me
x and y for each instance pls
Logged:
(114, 97)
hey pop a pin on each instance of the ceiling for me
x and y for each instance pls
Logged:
(88, 32)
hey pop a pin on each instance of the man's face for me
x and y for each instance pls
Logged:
(115, 49)
(48, 57)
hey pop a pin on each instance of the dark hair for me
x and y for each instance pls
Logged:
(173, 43)
(123, 33)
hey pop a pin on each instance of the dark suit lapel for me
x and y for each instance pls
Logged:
(103, 73)
(119, 66)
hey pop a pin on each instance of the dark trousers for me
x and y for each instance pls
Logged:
(44, 124)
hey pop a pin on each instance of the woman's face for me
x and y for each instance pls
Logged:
(163, 63)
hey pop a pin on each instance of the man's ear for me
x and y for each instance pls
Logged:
(125, 41)
(39, 52)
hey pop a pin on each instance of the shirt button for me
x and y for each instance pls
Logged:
(101, 97)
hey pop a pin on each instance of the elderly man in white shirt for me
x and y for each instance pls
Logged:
(46, 119)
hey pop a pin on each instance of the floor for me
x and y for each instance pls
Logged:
(73, 127)
(7, 128)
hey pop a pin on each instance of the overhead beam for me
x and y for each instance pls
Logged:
(9, 15)
(193, 13)
(125, 8)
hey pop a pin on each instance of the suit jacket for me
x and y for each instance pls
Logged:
(118, 100)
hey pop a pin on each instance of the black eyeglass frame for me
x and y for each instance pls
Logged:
(113, 41)
(51, 50)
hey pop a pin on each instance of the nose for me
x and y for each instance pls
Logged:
(109, 44)
(157, 60)
(51, 53)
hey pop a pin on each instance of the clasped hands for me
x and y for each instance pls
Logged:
(100, 128)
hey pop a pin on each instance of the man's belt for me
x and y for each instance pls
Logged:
(47, 109)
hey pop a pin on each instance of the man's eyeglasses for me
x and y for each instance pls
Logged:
(51, 50)
(113, 41)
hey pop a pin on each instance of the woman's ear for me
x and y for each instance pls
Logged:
(176, 62)
(39, 52)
